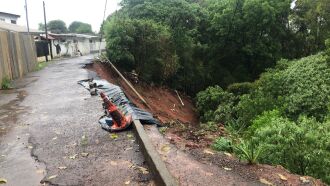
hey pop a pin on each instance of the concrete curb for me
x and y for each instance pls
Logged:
(156, 164)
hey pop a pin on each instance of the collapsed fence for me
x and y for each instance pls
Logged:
(17, 54)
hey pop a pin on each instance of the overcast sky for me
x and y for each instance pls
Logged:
(88, 11)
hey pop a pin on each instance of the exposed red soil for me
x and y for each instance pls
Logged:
(184, 131)
(162, 102)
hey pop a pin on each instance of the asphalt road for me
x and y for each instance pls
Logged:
(49, 133)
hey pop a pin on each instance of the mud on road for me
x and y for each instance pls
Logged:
(49, 134)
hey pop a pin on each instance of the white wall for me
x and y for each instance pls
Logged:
(69, 48)
(7, 18)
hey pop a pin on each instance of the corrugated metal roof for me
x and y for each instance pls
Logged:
(15, 15)
(73, 35)
(16, 28)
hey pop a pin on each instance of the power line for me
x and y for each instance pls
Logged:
(105, 8)
(27, 17)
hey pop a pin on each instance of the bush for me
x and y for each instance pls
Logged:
(248, 150)
(210, 126)
(299, 87)
(252, 105)
(239, 89)
(223, 144)
(5, 83)
(302, 146)
(215, 104)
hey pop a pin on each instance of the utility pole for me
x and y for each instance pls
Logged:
(27, 17)
(48, 41)
(105, 8)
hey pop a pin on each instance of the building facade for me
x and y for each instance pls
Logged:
(9, 18)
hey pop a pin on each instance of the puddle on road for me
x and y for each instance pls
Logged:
(15, 147)
(10, 111)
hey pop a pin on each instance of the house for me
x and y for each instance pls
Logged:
(17, 28)
(73, 44)
(9, 18)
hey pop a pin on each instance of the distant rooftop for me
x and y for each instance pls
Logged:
(16, 28)
(74, 35)
(10, 14)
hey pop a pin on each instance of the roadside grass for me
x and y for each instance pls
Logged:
(5, 83)
(41, 65)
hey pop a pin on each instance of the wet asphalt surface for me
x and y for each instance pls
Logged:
(49, 133)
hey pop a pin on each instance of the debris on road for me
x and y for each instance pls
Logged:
(264, 181)
(84, 154)
(52, 177)
(3, 181)
(119, 110)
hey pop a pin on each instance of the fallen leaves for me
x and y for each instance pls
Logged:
(40, 171)
(113, 163)
(3, 181)
(84, 140)
(84, 154)
(165, 148)
(127, 182)
(304, 179)
(129, 136)
(228, 154)
(129, 148)
(264, 181)
(227, 169)
(52, 177)
(73, 156)
(113, 136)
(282, 177)
(208, 151)
(143, 170)
(209, 174)
(62, 167)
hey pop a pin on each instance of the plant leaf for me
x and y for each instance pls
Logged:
(264, 181)
(113, 136)
(282, 177)
(3, 180)
(52, 177)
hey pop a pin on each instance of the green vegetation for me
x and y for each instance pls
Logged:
(80, 27)
(56, 26)
(259, 67)
(285, 119)
(5, 83)
(223, 144)
(41, 65)
(59, 27)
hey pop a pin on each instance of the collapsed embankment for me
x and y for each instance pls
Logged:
(184, 146)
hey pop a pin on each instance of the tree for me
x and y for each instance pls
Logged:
(57, 26)
(311, 23)
(41, 26)
(80, 27)
(142, 45)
